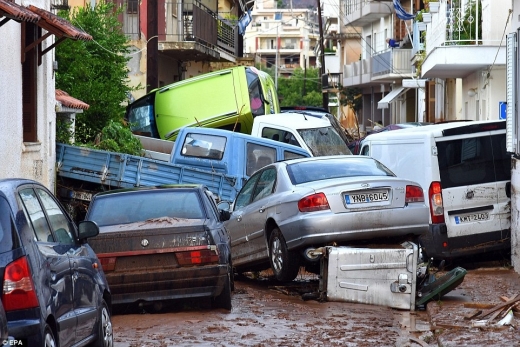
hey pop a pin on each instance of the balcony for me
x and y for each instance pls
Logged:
(463, 40)
(362, 12)
(357, 73)
(187, 32)
(331, 82)
(394, 63)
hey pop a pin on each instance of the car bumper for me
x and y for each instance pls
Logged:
(324, 228)
(27, 330)
(438, 245)
(191, 282)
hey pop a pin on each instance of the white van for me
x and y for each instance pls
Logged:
(464, 169)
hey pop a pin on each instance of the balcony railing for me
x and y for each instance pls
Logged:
(362, 12)
(186, 22)
(462, 25)
(393, 61)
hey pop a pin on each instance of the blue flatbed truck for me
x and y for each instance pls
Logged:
(220, 159)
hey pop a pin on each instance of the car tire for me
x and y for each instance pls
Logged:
(48, 337)
(105, 337)
(284, 263)
(223, 300)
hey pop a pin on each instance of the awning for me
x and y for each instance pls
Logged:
(11, 10)
(394, 94)
(58, 26)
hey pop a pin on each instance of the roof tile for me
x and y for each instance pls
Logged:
(68, 101)
(12, 10)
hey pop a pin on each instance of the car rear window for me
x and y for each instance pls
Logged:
(309, 171)
(475, 160)
(130, 207)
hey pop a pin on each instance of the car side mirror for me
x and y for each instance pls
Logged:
(224, 215)
(224, 205)
(87, 229)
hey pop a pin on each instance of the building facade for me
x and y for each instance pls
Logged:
(285, 39)
(28, 103)
(463, 57)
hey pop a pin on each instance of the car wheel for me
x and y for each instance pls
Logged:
(105, 337)
(223, 300)
(285, 264)
(48, 337)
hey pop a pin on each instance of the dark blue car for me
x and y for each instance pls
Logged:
(54, 290)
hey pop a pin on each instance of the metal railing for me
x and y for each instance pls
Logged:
(185, 22)
(460, 23)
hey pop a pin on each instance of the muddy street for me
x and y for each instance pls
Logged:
(267, 314)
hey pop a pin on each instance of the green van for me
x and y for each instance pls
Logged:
(225, 99)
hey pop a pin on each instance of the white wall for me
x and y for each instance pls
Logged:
(27, 160)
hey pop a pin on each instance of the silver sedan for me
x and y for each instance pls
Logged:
(288, 209)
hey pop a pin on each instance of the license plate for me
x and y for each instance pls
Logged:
(366, 197)
(475, 217)
(81, 196)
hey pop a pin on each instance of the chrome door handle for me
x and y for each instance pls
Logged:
(239, 218)
(262, 209)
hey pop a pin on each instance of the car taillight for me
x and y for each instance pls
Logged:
(436, 206)
(315, 202)
(18, 290)
(108, 263)
(414, 194)
(197, 257)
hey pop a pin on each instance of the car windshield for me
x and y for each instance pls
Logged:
(324, 141)
(309, 171)
(138, 206)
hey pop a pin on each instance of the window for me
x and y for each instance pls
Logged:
(291, 155)
(244, 196)
(29, 78)
(324, 141)
(204, 146)
(141, 118)
(132, 6)
(476, 160)
(310, 171)
(8, 235)
(258, 156)
(265, 184)
(60, 224)
(36, 216)
(139, 206)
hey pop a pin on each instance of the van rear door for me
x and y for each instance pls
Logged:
(475, 173)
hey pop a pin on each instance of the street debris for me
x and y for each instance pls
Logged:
(504, 312)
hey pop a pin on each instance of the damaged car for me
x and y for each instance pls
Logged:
(288, 209)
(163, 243)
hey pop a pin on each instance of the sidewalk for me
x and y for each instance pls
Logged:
(481, 290)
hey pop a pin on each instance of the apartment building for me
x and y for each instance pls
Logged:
(173, 40)
(379, 70)
(282, 38)
(463, 57)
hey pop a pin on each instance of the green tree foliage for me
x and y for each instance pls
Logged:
(94, 71)
(116, 137)
(303, 88)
